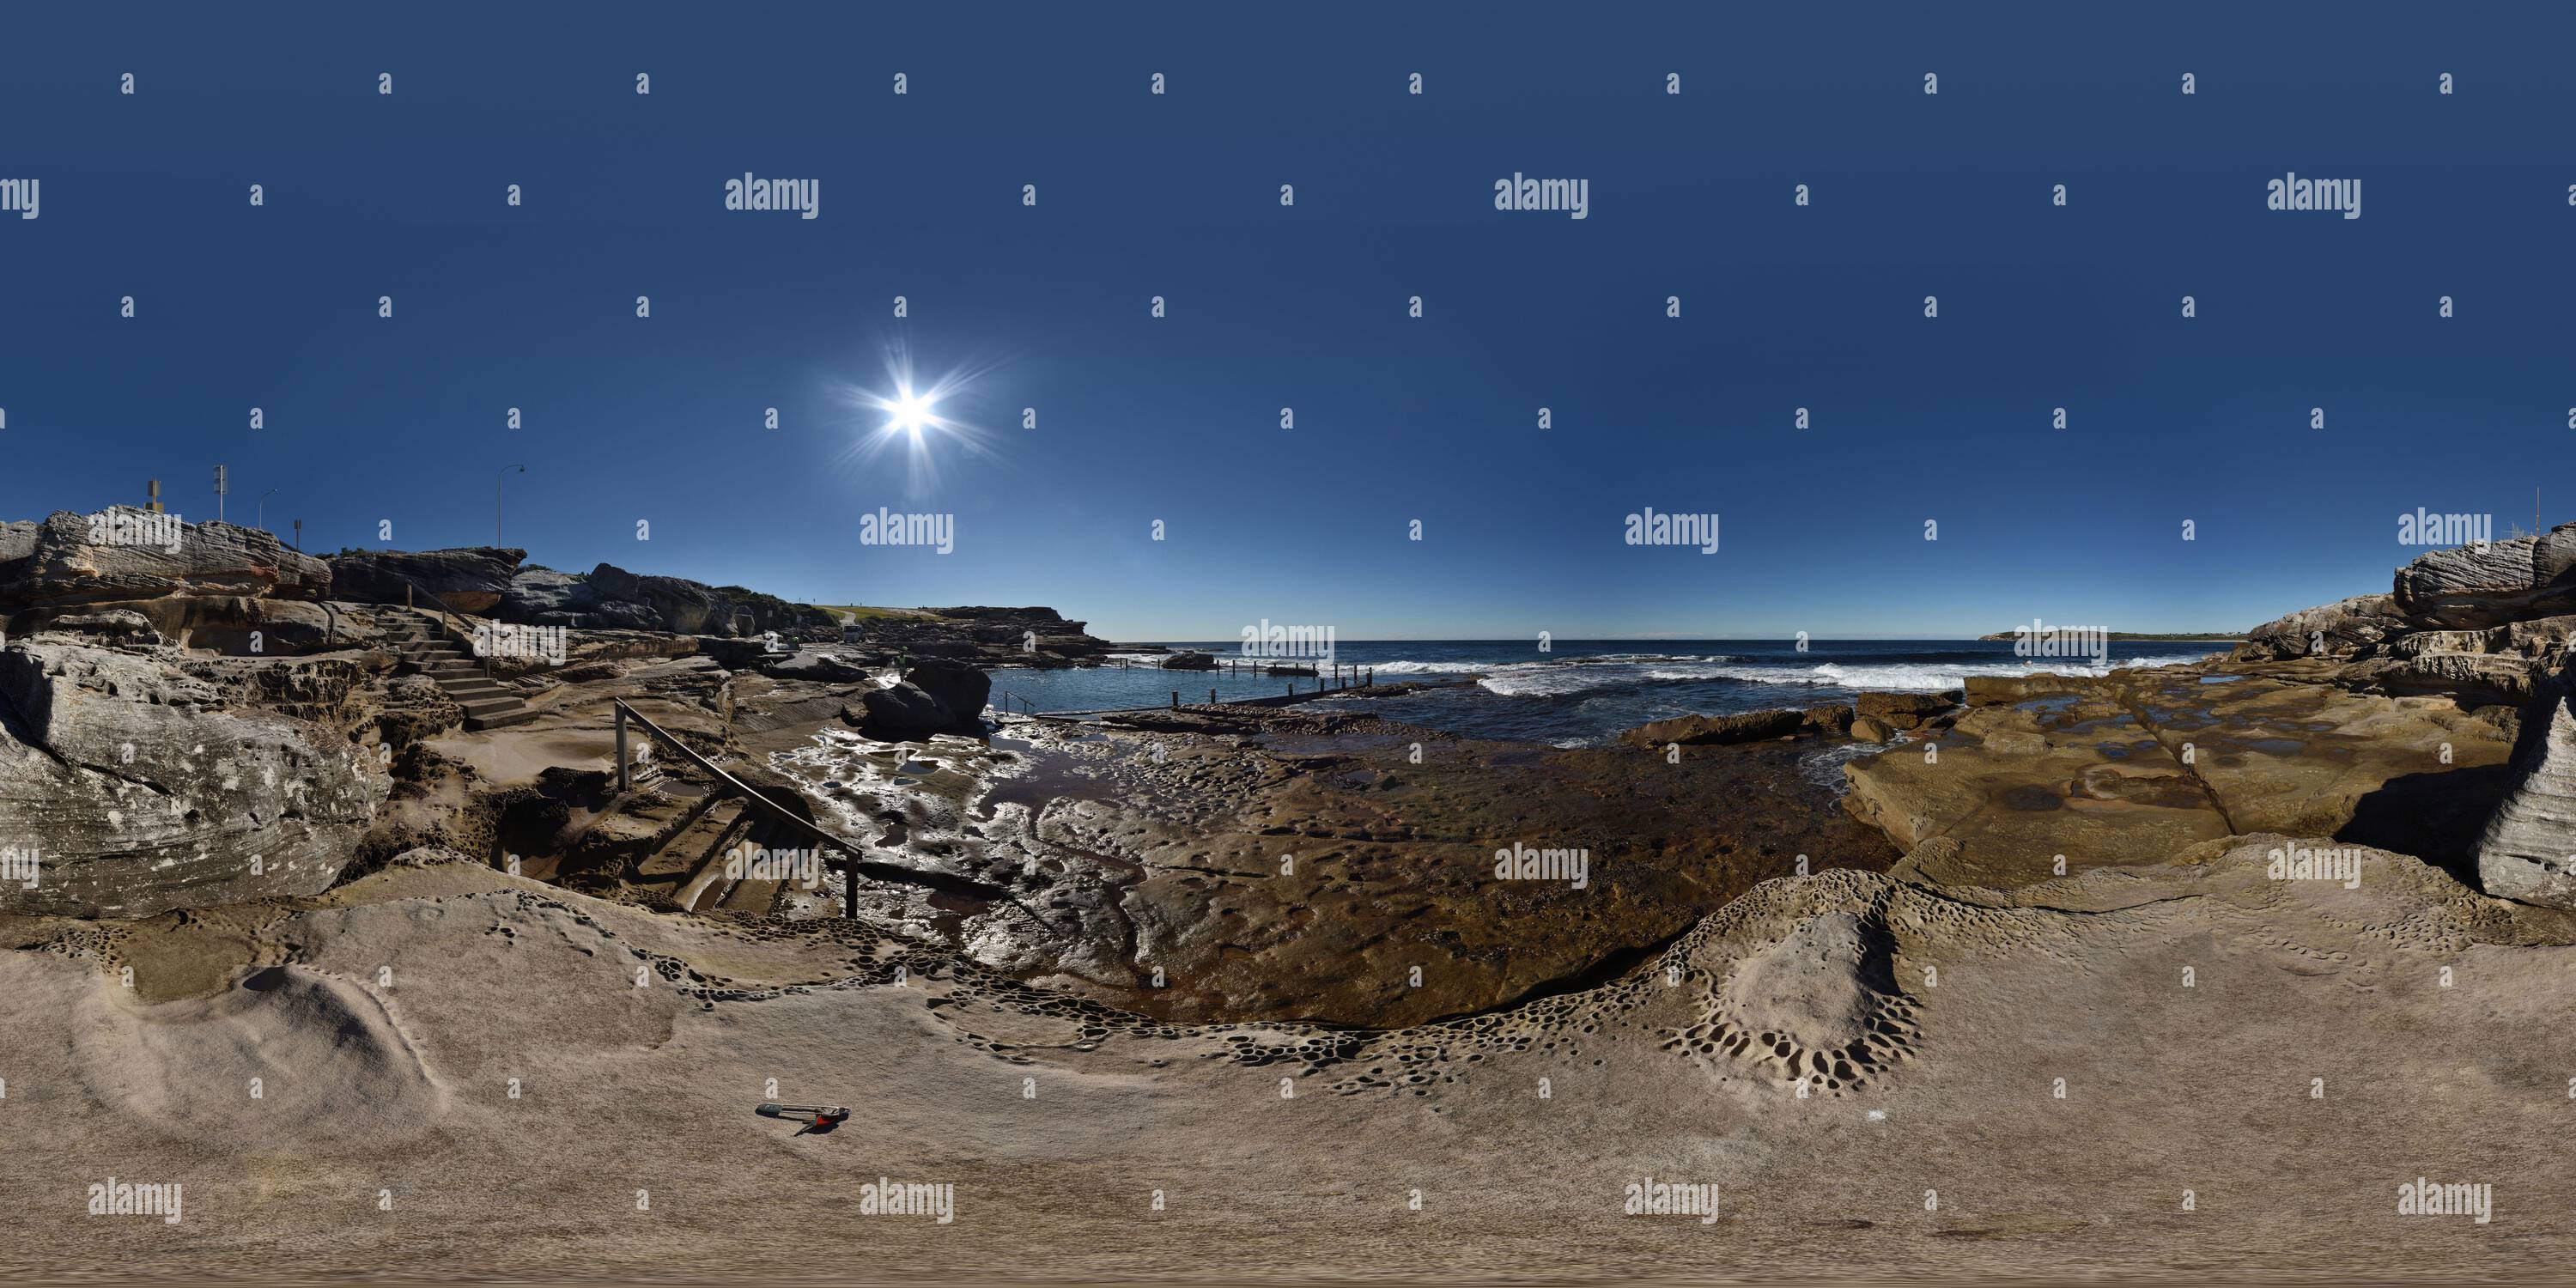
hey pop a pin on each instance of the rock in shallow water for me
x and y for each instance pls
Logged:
(1691, 731)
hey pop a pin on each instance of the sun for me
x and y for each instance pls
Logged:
(911, 413)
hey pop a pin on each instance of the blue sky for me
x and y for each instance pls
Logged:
(1397, 418)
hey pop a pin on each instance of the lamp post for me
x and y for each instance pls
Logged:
(260, 519)
(496, 499)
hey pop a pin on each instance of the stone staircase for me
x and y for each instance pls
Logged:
(417, 639)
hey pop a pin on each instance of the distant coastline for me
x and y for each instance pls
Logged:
(2218, 637)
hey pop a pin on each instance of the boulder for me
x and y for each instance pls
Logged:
(2479, 586)
(1870, 729)
(470, 579)
(147, 789)
(1694, 731)
(1189, 662)
(123, 553)
(958, 687)
(1833, 719)
(936, 696)
(2344, 627)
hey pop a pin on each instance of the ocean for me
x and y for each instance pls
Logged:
(1583, 692)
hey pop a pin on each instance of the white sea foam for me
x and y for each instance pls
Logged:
(1428, 668)
(1555, 679)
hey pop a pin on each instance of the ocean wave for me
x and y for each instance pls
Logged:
(1552, 679)
(1547, 680)
(1911, 676)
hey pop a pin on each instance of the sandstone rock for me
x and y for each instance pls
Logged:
(1909, 706)
(1701, 730)
(1870, 729)
(610, 597)
(147, 791)
(2527, 851)
(1833, 718)
(113, 626)
(543, 597)
(470, 579)
(1988, 690)
(2490, 585)
(2343, 627)
(54, 562)
(1189, 662)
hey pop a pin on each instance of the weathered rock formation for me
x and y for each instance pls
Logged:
(470, 579)
(53, 567)
(2528, 851)
(144, 788)
(690, 607)
(1035, 637)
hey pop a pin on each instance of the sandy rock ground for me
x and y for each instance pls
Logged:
(2229, 1060)
(2148, 1072)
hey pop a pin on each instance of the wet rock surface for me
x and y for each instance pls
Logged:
(1285, 864)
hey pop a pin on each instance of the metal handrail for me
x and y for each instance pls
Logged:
(858, 863)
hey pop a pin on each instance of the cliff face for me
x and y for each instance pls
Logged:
(122, 553)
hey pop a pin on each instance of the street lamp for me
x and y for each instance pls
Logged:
(496, 500)
(261, 521)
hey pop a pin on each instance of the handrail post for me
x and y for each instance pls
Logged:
(622, 786)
